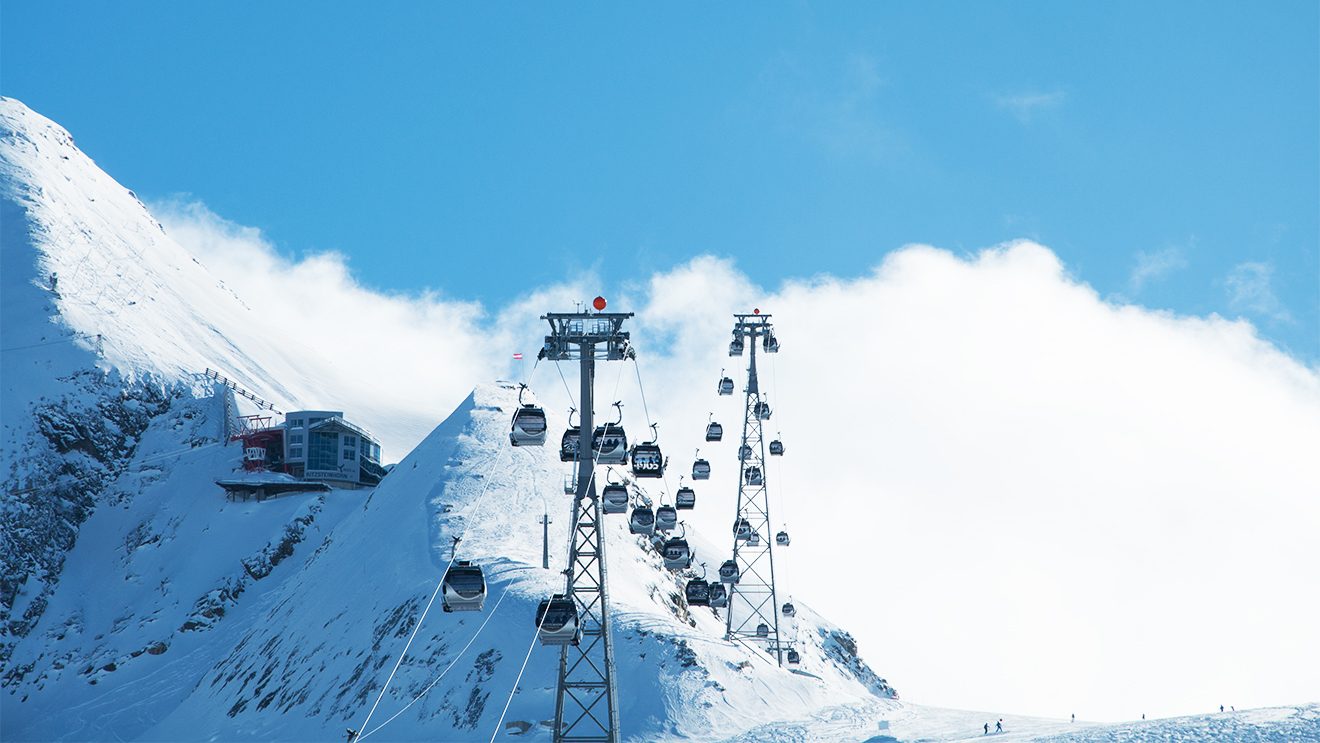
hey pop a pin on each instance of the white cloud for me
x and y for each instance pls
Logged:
(1018, 496)
(1024, 106)
(1154, 266)
(399, 362)
(1250, 290)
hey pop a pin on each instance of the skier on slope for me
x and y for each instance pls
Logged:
(999, 726)
(987, 728)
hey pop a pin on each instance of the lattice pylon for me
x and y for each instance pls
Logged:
(753, 615)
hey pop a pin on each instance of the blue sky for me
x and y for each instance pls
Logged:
(1168, 152)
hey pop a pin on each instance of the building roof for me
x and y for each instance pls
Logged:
(337, 422)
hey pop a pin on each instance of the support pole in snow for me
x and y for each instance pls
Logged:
(586, 701)
(545, 541)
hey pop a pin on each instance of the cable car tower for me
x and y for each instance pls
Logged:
(586, 702)
(753, 610)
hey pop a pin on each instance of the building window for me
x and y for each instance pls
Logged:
(350, 455)
(295, 422)
(321, 448)
(312, 421)
(350, 440)
(295, 452)
(295, 438)
(369, 450)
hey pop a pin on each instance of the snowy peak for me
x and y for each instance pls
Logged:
(109, 276)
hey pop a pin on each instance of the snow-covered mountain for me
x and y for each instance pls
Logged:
(140, 603)
(137, 602)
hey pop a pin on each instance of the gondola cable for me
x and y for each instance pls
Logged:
(518, 679)
(457, 658)
(431, 602)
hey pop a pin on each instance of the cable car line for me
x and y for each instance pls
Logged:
(457, 658)
(782, 538)
(467, 523)
(571, 401)
(641, 389)
(518, 680)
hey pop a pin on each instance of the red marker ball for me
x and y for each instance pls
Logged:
(598, 303)
(756, 311)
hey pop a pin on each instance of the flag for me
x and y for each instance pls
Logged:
(517, 357)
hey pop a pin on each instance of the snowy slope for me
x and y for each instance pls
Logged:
(676, 675)
(105, 322)
(300, 651)
(919, 723)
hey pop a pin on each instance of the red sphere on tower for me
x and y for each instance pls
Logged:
(756, 311)
(598, 303)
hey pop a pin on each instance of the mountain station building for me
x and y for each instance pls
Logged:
(311, 446)
(321, 445)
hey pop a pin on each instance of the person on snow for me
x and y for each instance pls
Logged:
(999, 726)
(987, 728)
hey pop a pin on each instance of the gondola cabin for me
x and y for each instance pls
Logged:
(677, 554)
(742, 529)
(701, 470)
(697, 592)
(754, 539)
(763, 410)
(719, 595)
(782, 539)
(614, 499)
(557, 620)
(744, 453)
(666, 518)
(789, 610)
(568, 444)
(714, 431)
(753, 476)
(464, 587)
(685, 499)
(528, 427)
(642, 520)
(647, 461)
(736, 347)
(610, 444)
(770, 343)
(729, 572)
(794, 657)
(725, 386)
(762, 630)
(776, 448)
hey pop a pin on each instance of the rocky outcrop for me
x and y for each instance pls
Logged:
(75, 448)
